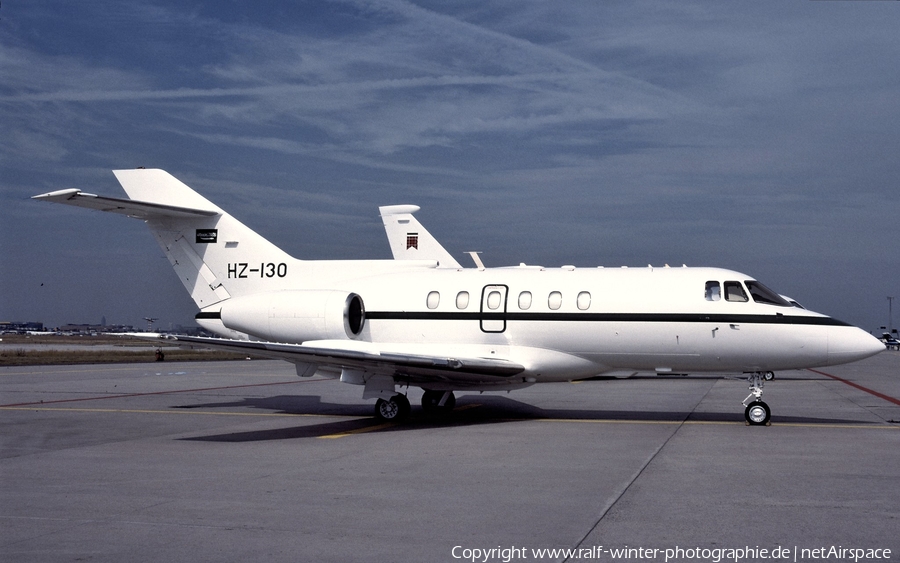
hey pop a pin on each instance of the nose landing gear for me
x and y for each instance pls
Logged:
(757, 413)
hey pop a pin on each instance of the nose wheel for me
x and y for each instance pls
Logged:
(757, 413)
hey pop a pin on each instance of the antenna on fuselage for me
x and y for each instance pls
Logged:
(476, 258)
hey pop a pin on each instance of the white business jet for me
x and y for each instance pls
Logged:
(382, 324)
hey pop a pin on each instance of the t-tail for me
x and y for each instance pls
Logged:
(215, 256)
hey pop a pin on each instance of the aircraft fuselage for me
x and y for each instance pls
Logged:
(562, 323)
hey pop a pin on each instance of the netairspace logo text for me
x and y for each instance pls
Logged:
(700, 554)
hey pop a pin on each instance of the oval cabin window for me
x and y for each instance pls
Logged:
(584, 300)
(525, 300)
(554, 301)
(493, 300)
(462, 299)
(433, 300)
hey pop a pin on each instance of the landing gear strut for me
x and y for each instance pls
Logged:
(438, 402)
(757, 413)
(394, 409)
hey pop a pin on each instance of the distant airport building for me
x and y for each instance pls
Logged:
(94, 329)
(20, 328)
(7, 327)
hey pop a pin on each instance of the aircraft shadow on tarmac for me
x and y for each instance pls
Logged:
(471, 410)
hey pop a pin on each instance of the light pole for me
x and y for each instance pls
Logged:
(890, 314)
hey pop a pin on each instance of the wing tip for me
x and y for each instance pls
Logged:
(61, 194)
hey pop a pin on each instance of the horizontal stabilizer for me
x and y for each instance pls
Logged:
(129, 207)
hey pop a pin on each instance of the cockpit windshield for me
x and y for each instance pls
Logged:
(762, 294)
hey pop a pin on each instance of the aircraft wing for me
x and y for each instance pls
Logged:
(130, 207)
(412, 367)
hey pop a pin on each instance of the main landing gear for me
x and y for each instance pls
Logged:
(392, 410)
(397, 407)
(438, 402)
(757, 413)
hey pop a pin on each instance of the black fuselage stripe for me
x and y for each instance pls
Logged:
(604, 318)
(588, 317)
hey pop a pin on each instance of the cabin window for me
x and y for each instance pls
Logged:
(462, 299)
(433, 300)
(734, 291)
(762, 294)
(554, 301)
(713, 291)
(584, 300)
(525, 300)
(493, 300)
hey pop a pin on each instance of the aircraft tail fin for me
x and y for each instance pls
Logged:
(409, 240)
(215, 255)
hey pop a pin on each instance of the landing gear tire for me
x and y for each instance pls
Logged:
(394, 409)
(431, 401)
(757, 413)
(769, 375)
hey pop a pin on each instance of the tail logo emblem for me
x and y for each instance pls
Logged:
(207, 236)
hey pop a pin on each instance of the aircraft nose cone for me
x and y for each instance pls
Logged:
(848, 344)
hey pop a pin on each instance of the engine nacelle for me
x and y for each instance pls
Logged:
(295, 316)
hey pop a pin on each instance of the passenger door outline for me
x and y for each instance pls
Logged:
(493, 312)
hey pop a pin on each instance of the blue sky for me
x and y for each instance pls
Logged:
(758, 136)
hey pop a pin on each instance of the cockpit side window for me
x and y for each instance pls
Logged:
(762, 294)
(713, 291)
(734, 291)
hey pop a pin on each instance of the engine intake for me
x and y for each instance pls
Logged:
(296, 316)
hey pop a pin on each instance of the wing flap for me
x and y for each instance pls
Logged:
(130, 207)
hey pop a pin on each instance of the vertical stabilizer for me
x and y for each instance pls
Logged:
(215, 255)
